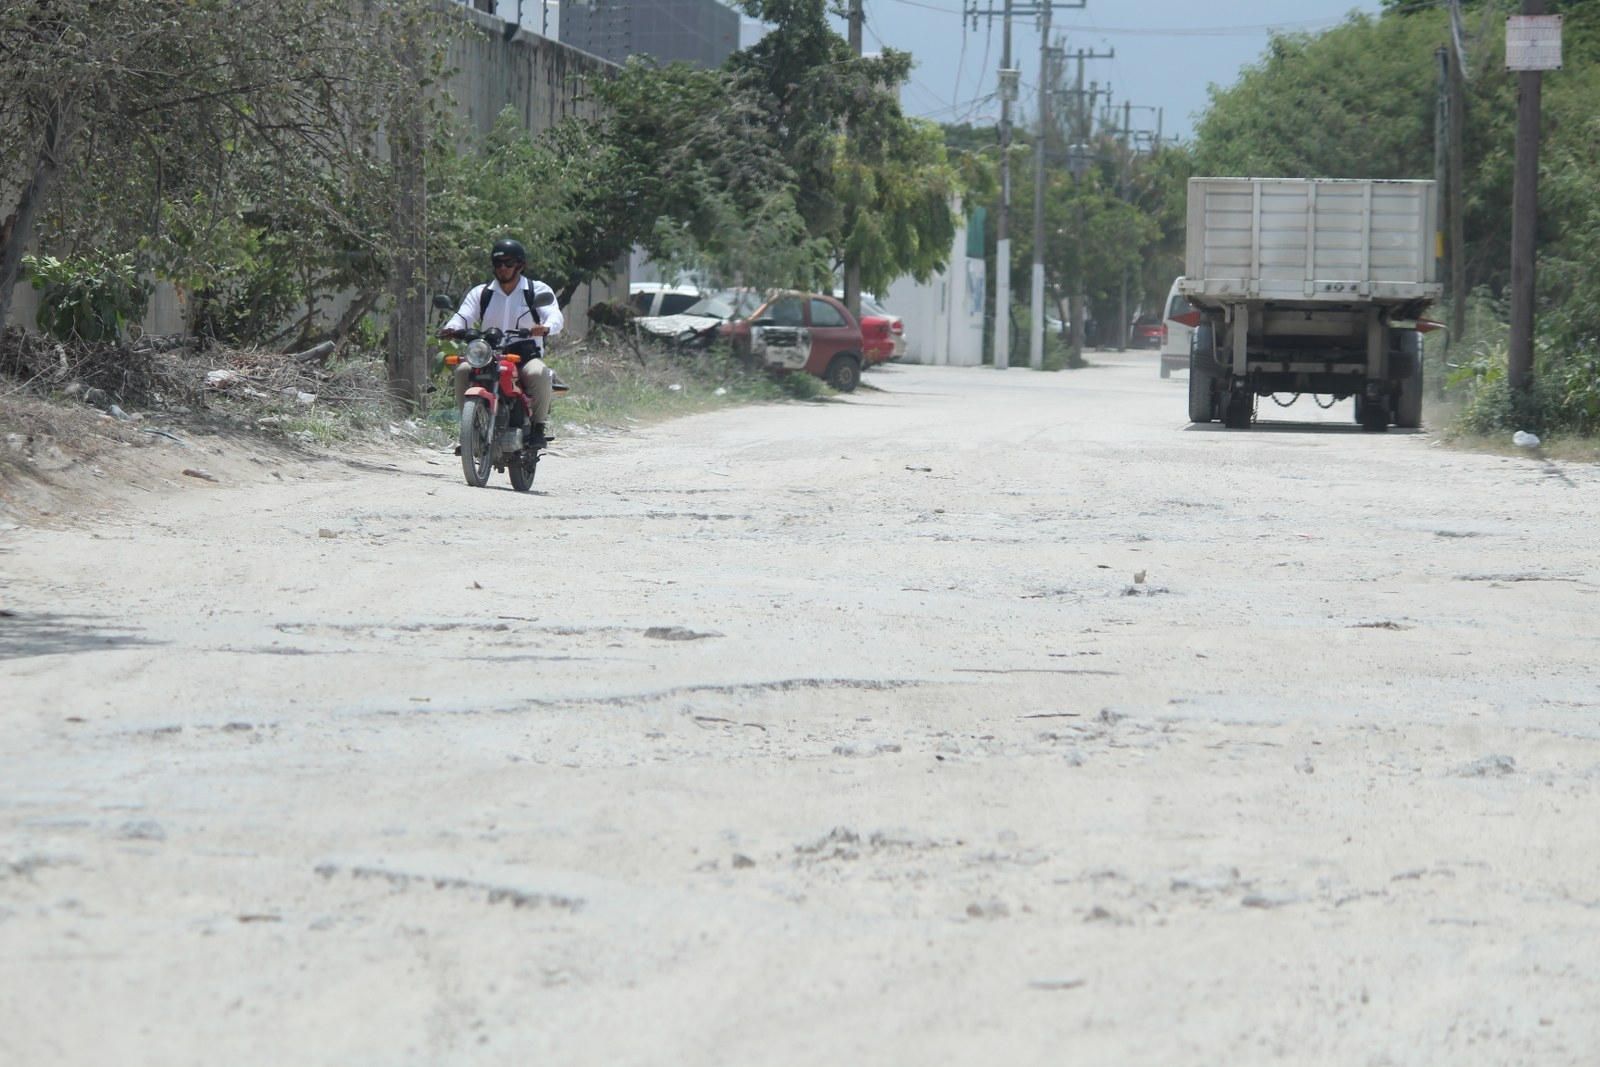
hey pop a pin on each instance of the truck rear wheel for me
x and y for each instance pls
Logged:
(1202, 374)
(1241, 408)
(1408, 401)
(1202, 397)
(1374, 414)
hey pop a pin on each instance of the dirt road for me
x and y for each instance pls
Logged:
(982, 717)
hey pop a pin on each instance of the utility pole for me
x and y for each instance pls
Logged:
(1455, 195)
(1441, 135)
(1078, 165)
(1008, 92)
(852, 269)
(1124, 193)
(408, 324)
(1041, 148)
(1002, 250)
(1527, 53)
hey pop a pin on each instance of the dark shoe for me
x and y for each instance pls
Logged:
(458, 450)
(537, 433)
(557, 385)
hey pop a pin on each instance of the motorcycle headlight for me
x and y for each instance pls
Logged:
(479, 354)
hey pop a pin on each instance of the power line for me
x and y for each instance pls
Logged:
(1196, 31)
(1204, 31)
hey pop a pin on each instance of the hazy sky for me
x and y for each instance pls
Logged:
(1166, 51)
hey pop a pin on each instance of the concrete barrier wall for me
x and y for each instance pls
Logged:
(541, 78)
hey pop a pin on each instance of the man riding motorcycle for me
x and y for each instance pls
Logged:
(507, 303)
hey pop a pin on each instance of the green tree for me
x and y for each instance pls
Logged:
(235, 140)
(899, 191)
(866, 181)
(701, 173)
(1160, 189)
(1355, 101)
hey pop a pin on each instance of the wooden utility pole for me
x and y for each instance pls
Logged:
(1455, 194)
(1524, 209)
(408, 320)
(1441, 136)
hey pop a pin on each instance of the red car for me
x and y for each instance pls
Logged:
(1148, 332)
(802, 331)
(883, 334)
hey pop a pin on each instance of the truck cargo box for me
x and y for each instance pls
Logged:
(1316, 240)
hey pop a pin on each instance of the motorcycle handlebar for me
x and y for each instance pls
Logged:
(493, 335)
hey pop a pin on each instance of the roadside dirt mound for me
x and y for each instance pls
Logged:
(85, 424)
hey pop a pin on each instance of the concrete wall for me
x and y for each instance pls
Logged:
(944, 318)
(702, 32)
(537, 76)
(542, 79)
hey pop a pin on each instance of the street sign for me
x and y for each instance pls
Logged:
(1533, 42)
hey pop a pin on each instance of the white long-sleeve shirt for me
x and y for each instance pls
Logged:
(507, 312)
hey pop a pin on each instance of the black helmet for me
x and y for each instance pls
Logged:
(509, 249)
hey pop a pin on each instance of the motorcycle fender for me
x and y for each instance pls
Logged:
(488, 397)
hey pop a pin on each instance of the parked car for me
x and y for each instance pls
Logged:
(807, 332)
(883, 335)
(1148, 331)
(699, 321)
(650, 299)
(1175, 346)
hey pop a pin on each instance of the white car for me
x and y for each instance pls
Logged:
(1175, 349)
(691, 323)
(649, 299)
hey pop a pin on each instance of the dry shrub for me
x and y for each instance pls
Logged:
(176, 375)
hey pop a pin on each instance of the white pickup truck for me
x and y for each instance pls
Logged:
(1309, 286)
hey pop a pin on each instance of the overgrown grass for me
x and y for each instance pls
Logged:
(1563, 402)
(60, 393)
(612, 383)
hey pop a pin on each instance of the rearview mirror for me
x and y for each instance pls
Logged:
(543, 299)
(443, 302)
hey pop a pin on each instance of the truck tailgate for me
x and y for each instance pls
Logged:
(1311, 239)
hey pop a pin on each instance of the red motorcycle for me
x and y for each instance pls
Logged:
(497, 416)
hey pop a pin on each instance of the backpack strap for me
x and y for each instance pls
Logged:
(486, 293)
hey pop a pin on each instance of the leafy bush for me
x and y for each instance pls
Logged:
(1564, 399)
(87, 298)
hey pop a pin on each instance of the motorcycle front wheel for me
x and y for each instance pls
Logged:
(477, 437)
(522, 469)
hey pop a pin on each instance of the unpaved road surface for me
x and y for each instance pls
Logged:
(983, 717)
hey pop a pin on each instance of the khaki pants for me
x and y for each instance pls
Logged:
(533, 376)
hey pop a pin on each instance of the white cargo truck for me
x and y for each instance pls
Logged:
(1309, 286)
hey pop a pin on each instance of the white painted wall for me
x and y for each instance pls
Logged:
(944, 318)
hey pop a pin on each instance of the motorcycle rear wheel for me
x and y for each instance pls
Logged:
(477, 437)
(523, 468)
